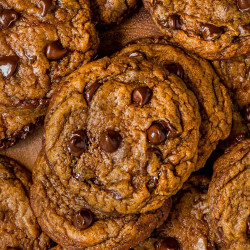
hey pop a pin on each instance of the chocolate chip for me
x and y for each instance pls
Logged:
(168, 243)
(78, 143)
(211, 32)
(156, 151)
(211, 246)
(138, 54)
(239, 137)
(55, 51)
(174, 22)
(141, 95)
(157, 133)
(246, 112)
(244, 29)
(83, 219)
(45, 6)
(248, 226)
(7, 17)
(110, 140)
(175, 68)
(152, 184)
(243, 5)
(172, 132)
(8, 65)
(90, 91)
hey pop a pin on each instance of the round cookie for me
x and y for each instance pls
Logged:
(188, 224)
(213, 29)
(123, 134)
(199, 76)
(72, 223)
(112, 11)
(41, 42)
(18, 225)
(228, 197)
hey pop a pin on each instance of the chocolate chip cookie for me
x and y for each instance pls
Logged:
(69, 220)
(112, 11)
(188, 224)
(228, 197)
(123, 133)
(18, 226)
(41, 41)
(199, 76)
(214, 29)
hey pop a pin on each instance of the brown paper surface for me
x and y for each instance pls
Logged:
(137, 26)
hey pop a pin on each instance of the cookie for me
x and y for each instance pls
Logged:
(41, 43)
(199, 76)
(112, 11)
(228, 197)
(18, 226)
(69, 220)
(213, 29)
(188, 224)
(123, 133)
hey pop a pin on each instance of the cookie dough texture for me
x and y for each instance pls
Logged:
(41, 43)
(199, 76)
(229, 197)
(188, 222)
(55, 207)
(112, 11)
(18, 226)
(214, 29)
(139, 175)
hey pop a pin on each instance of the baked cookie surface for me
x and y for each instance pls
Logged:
(187, 226)
(200, 78)
(41, 42)
(123, 134)
(112, 11)
(214, 29)
(71, 222)
(228, 197)
(18, 226)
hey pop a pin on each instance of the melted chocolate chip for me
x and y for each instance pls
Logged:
(211, 32)
(110, 140)
(7, 18)
(243, 5)
(141, 95)
(244, 29)
(246, 112)
(8, 65)
(78, 143)
(90, 91)
(168, 243)
(174, 22)
(138, 54)
(211, 246)
(239, 137)
(55, 51)
(248, 226)
(175, 68)
(157, 133)
(45, 6)
(83, 219)
(152, 184)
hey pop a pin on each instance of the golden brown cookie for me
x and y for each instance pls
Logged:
(112, 11)
(188, 224)
(71, 222)
(42, 41)
(18, 226)
(213, 29)
(229, 197)
(199, 76)
(123, 133)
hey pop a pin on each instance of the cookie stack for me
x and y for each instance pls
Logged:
(123, 134)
